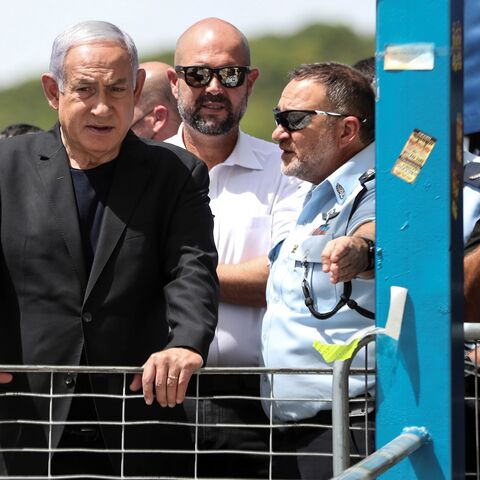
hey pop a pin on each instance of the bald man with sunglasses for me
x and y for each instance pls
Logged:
(325, 129)
(255, 206)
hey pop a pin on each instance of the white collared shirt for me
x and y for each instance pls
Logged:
(255, 206)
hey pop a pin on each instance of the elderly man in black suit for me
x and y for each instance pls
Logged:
(107, 258)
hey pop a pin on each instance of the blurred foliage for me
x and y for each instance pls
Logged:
(275, 56)
(25, 103)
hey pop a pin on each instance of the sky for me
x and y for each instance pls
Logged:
(28, 27)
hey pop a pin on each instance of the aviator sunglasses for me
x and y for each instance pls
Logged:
(293, 120)
(200, 76)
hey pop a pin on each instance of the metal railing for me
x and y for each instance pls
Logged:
(52, 424)
(472, 391)
(409, 441)
(369, 466)
(412, 438)
(341, 409)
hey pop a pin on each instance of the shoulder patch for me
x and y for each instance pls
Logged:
(471, 174)
(367, 176)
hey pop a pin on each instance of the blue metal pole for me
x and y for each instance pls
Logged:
(410, 440)
(419, 244)
(340, 409)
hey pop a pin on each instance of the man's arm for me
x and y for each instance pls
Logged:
(471, 267)
(244, 283)
(471, 276)
(191, 294)
(347, 257)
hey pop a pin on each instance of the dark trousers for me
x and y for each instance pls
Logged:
(85, 463)
(471, 426)
(156, 441)
(317, 440)
(85, 437)
(211, 434)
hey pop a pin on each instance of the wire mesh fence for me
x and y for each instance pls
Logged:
(116, 441)
(123, 438)
(472, 363)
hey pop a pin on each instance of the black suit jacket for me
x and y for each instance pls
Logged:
(153, 281)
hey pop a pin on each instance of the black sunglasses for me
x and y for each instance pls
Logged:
(199, 75)
(294, 120)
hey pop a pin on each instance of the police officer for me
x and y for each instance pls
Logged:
(325, 128)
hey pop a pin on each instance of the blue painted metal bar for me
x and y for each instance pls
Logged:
(340, 409)
(410, 440)
(419, 244)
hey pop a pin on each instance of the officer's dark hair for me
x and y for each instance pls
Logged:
(348, 92)
(367, 67)
(18, 129)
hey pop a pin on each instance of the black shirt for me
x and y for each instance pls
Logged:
(91, 191)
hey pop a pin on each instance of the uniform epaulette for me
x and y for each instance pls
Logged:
(367, 176)
(471, 174)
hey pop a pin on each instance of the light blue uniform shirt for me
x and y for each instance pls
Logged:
(471, 193)
(289, 329)
(471, 71)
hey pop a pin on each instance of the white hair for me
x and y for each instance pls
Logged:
(88, 32)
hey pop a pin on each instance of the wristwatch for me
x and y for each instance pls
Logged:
(370, 254)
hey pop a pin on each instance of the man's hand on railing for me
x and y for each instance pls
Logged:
(5, 377)
(166, 375)
(474, 356)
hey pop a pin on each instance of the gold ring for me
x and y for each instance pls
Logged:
(171, 377)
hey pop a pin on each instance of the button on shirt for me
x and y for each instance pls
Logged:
(289, 329)
(255, 206)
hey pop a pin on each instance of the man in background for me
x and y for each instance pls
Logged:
(156, 115)
(254, 206)
(471, 76)
(18, 129)
(367, 67)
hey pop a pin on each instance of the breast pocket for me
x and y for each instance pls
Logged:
(308, 258)
(241, 238)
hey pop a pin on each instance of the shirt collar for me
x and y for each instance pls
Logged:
(344, 180)
(242, 154)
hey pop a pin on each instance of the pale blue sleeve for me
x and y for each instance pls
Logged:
(365, 211)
